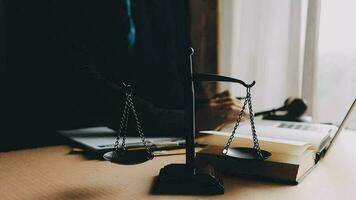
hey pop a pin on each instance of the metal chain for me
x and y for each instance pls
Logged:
(138, 124)
(256, 144)
(129, 106)
(225, 150)
(123, 124)
(124, 133)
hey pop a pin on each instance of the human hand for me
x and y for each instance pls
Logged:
(221, 109)
(223, 105)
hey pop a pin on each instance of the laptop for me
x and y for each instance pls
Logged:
(349, 122)
(102, 139)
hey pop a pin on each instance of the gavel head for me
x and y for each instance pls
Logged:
(295, 107)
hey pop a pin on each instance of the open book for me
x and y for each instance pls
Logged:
(295, 148)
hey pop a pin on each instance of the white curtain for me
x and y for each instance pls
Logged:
(265, 41)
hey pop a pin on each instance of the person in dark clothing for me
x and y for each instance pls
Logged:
(67, 70)
(95, 42)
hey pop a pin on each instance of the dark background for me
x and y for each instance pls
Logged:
(44, 41)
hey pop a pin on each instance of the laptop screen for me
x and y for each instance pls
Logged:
(347, 122)
(351, 122)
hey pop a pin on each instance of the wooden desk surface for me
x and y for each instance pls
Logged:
(56, 173)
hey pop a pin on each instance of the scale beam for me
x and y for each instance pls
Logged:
(204, 77)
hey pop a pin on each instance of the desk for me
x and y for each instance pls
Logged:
(56, 173)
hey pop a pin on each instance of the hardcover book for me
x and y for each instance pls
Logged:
(296, 147)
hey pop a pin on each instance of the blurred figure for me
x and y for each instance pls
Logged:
(68, 59)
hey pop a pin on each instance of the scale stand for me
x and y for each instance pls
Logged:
(189, 178)
(180, 179)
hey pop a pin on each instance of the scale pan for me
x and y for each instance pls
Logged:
(128, 157)
(247, 153)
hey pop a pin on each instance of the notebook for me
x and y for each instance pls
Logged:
(295, 146)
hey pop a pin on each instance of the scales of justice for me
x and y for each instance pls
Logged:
(187, 178)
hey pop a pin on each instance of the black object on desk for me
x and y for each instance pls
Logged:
(294, 108)
(189, 178)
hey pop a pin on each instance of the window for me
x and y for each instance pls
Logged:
(304, 49)
(336, 70)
